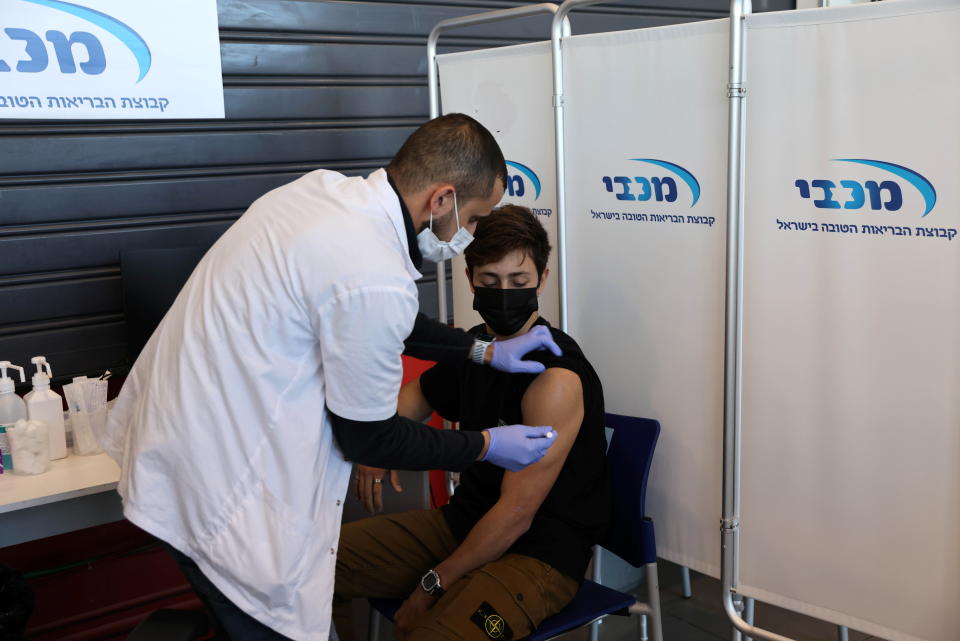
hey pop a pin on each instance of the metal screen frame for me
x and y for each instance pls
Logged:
(733, 349)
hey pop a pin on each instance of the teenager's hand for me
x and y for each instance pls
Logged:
(411, 613)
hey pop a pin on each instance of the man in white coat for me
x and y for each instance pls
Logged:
(279, 363)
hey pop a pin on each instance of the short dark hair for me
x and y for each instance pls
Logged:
(453, 148)
(507, 229)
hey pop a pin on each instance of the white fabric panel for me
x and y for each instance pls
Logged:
(510, 91)
(851, 417)
(646, 283)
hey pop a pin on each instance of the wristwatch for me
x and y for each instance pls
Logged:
(430, 582)
(479, 351)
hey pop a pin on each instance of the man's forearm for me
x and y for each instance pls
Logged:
(489, 539)
(401, 444)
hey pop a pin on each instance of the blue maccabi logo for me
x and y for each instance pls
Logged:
(520, 180)
(658, 188)
(871, 194)
(37, 57)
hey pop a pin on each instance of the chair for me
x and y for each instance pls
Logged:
(631, 538)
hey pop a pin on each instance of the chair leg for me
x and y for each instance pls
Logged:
(843, 634)
(685, 577)
(653, 598)
(373, 625)
(597, 576)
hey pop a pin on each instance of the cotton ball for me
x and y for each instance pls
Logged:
(29, 447)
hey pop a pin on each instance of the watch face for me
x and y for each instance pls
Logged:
(430, 581)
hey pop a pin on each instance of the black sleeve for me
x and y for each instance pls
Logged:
(399, 443)
(431, 340)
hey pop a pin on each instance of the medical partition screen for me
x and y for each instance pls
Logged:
(645, 119)
(509, 90)
(851, 410)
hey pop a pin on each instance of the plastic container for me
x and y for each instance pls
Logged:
(12, 409)
(30, 445)
(87, 400)
(43, 404)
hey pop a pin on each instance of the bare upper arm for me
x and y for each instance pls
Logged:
(412, 403)
(555, 398)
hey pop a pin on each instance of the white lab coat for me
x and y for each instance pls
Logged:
(221, 429)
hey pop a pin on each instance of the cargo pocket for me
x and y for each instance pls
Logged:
(509, 589)
(530, 586)
(557, 590)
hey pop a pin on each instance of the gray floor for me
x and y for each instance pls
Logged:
(701, 617)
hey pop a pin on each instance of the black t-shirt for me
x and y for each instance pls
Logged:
(576, 513)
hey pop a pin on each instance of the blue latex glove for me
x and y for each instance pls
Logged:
(514, 447)
(508, 355)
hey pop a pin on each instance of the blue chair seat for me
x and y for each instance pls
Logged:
(591, 601)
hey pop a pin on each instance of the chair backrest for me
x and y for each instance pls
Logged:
(629, 456)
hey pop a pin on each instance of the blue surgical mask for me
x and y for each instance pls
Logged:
(432, 248)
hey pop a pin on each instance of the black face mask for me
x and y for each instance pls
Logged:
(505, 310)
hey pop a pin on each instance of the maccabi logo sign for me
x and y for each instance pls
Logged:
(659, 187)
(41, 50)
(885, 193)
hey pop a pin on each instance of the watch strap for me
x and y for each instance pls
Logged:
(478, 352)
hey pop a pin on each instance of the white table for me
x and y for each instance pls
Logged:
(76, 492)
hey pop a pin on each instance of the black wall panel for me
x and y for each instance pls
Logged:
(308, 84)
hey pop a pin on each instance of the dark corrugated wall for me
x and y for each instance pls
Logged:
(308, 84)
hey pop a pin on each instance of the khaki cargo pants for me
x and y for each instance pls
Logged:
(385, 556)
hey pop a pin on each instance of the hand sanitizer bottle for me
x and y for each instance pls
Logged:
(12, 409)
(43, 404)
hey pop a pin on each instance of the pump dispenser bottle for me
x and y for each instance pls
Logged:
(43, 404)
(12, 409)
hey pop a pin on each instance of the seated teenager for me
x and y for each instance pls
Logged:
(511, 548)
